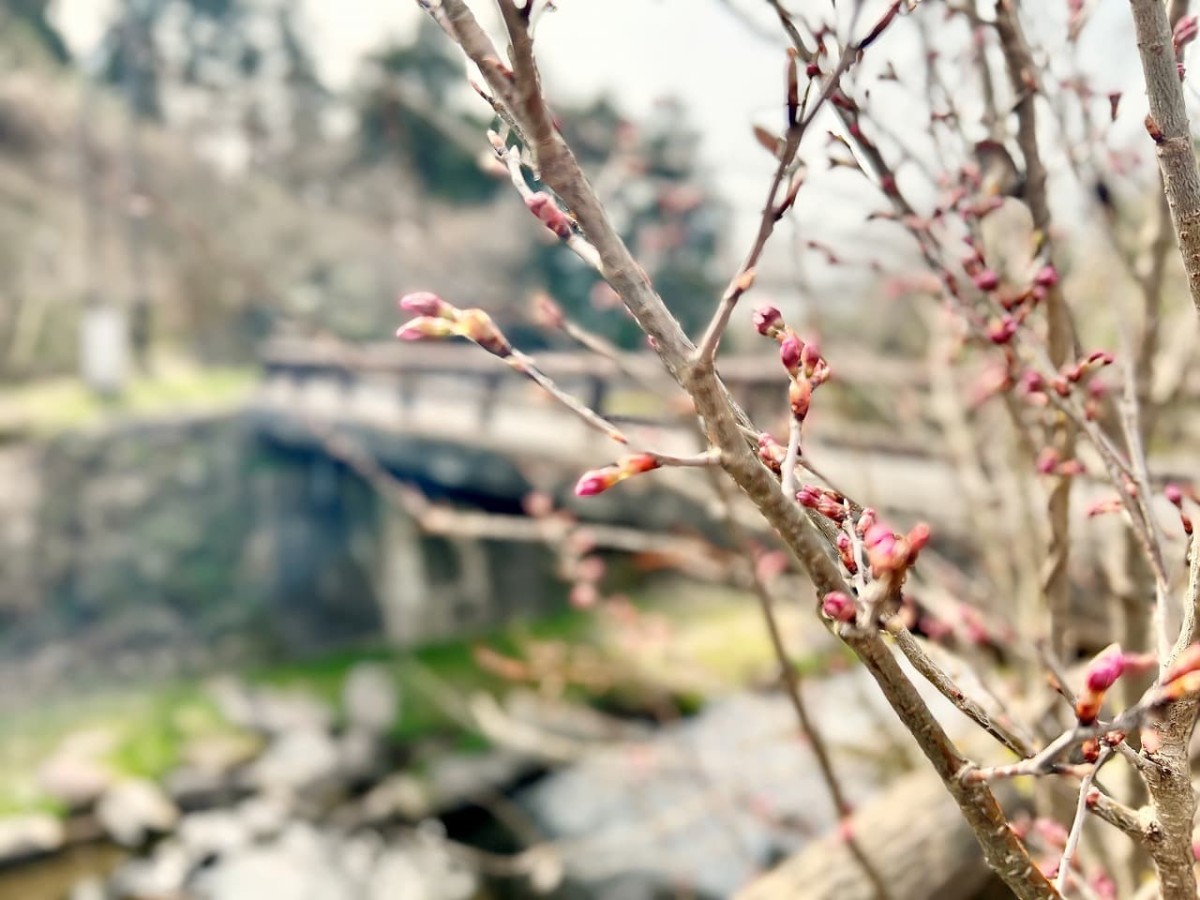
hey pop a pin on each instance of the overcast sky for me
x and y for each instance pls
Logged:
(640, 50)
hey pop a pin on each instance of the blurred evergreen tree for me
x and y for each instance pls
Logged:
(404, 116)
(28, 20)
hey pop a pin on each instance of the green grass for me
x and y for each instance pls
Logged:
(45, 408)
(715, 642)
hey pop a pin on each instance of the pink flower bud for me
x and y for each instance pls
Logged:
(1104, 670)
(1002, 331)
(839, 606)
(1047, 276)
(767, 320)
(594, 482)
(1174, 494)
(425, 303)
(791, 349)
(810, 358)
(808, 496)
(425, 328)
(986, 280)
(1047, 461)
(545, 208)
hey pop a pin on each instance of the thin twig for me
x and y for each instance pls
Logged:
(1085, 785)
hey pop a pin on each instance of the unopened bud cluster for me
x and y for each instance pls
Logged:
(805, 366)
(1068, 381)
(436, 319)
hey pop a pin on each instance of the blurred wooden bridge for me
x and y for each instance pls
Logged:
(871, 431)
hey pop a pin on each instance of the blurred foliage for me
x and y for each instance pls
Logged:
(47, 407)
(659, 199)
(29, 18)
(403, 118)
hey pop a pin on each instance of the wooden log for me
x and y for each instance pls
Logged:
(914, 835)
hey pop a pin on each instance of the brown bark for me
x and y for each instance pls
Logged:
(1169, 128)
(723, 423)
(925, 856)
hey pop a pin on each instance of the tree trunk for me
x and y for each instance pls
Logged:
(916, 838)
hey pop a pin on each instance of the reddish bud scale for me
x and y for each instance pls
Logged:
(545, 209)
(771, 452)
(478, 326)
(799, 398)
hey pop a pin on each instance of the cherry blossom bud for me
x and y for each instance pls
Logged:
(1101, 674)
(1002, 331)
(1184, 33)
(866, 519)
(425, 328)
(1104, 670)
(479, 327)
(791, 349)
(839, 606)
(546, 312)
(768, 320)
(1188, 661)
(799, 397)
(918, 536)
(986, 280)
(545, 208)
(425, 303)
(1174, 494)
(1046, 276)
(1032, 382)
(599, 480)
(771, 452)
(1047, 461)
(810, 358)
(846, 553)
(1101, 507)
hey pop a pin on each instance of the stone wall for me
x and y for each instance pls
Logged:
(151, 548)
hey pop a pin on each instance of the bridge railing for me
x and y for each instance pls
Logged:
(862, 406)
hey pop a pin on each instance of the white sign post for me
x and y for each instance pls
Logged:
(104, 349)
